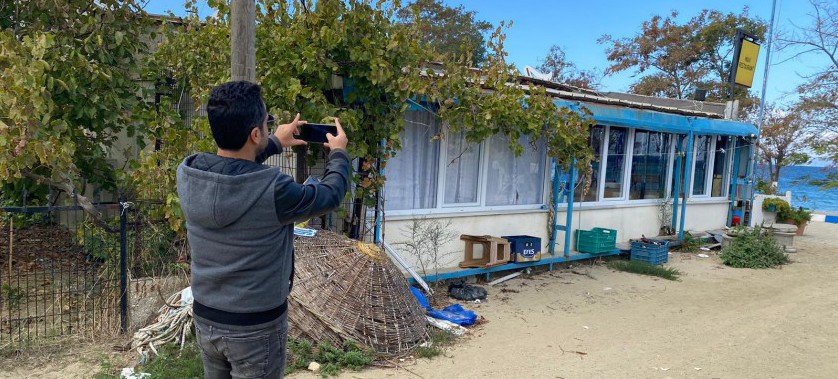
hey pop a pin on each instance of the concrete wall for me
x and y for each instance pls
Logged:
(758, 216)
(630, 222)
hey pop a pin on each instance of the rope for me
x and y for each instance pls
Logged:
(173, 325)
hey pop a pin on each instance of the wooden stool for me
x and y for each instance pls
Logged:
(496, 251)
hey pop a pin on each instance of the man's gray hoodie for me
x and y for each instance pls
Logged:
(240, 219)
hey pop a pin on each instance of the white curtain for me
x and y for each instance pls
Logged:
(515, 180)
(462, 168)
(412, 172)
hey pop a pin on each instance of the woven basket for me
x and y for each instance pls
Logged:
(346, 290)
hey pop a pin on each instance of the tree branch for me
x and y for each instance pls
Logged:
(67, 186)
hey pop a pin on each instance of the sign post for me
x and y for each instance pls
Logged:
(743, 67)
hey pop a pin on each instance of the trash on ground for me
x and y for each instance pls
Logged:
(447, 326)
(703, 255)
(314, 367)
(466, 292)
(454, 313)
(505, 278)
(128, 373)
(173, 324)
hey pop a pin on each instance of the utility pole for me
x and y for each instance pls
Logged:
(243, 40)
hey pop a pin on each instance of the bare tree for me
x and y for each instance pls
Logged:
(785, 139)
(819, 94)
(425, 240)
(566, 72)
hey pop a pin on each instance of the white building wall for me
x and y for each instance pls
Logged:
(629, 221)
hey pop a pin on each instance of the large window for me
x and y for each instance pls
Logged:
(412, 172)
(649, 165)
(442, 174)
(515, 180)
(589, 191)
(615, 162)
(462, 169)
(701, 163)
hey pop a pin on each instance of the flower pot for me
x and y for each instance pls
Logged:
(800, 228)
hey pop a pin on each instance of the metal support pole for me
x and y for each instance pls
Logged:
(676, 192)
(688, 173)
(555, 226)
(568, 224)
(123, 265)
(734, 174)
(749, 185)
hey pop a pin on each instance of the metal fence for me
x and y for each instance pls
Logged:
(64, 276)
(58, 277)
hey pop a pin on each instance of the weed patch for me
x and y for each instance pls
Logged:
(643, 268)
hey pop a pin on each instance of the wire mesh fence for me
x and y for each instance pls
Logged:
(58, 277)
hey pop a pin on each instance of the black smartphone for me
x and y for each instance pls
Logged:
(316, 133)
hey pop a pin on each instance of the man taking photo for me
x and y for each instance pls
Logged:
(240, 219)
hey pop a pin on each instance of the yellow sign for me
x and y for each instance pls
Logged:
(747, 64)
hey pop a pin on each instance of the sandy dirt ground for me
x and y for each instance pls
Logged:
(716, 322)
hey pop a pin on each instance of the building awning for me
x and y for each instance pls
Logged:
(660, 121)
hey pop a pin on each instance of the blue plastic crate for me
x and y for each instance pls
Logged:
(524, 248)
(651, 253)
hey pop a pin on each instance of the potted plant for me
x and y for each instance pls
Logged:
(772, 207)
(799, 217)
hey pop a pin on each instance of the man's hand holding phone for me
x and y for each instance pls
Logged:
(286, 133)
(338, 141)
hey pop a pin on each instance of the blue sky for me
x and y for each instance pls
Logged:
(576, 26)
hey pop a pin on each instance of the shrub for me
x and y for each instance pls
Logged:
(797, 216)
(775, 204)
(644, 268)
(754, 249)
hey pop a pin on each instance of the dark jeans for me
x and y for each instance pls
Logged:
(230, 351)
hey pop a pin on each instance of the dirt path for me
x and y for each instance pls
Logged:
(717, 322)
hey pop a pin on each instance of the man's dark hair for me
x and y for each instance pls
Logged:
(233, 110)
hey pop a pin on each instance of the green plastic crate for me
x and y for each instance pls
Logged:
(596, 240)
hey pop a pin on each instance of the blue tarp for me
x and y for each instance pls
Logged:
(454, 313)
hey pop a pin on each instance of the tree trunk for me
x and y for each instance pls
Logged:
(243, 40)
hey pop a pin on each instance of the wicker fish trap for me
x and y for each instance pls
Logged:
(348, 290)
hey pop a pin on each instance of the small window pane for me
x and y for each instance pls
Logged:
(650, 161)
(412, 172)
(615, 163)
(462, 168)
(515, 180)
(719, 167)
(702, 144)
(597, 135)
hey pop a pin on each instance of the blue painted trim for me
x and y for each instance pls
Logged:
(688, 174)
(749, 186)
(552, 247)
(660, 121)
(569, 221)
(676, 192)
(511, 266)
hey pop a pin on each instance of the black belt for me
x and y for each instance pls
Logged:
(239, 319)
